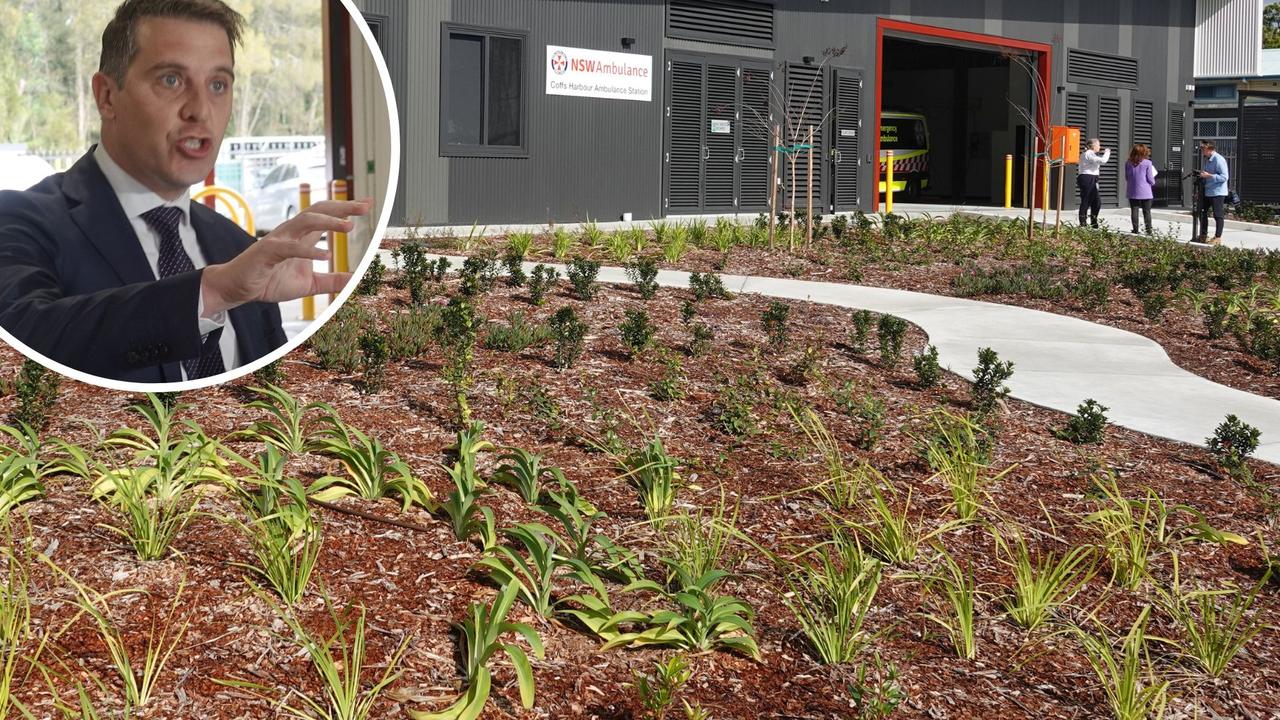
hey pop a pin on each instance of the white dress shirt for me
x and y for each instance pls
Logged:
(137, 199)
(1091, 162)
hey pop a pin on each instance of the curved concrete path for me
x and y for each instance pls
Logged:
(1058, 360)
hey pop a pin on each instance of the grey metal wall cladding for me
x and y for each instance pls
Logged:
(599, 158)
(1093, 68)
(684, 156)
(395, 50)
(754, 157)
(1260, 146)
(806, 108)
(1144, 123)
(846, 136)
(1109, 134)
(1078, 115)
(737, 22)
(588, 157)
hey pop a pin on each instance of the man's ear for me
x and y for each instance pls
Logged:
(104, 94)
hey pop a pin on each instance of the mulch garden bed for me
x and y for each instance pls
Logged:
(418, 582)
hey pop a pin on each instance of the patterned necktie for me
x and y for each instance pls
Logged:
(174, 261)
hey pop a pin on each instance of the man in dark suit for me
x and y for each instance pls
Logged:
(110, 268)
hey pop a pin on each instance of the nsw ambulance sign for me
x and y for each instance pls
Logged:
(599, 74)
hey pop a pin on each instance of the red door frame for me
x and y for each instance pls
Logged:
(1044, 62)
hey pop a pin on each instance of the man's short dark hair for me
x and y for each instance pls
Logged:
(1208, 145)
(120, 39)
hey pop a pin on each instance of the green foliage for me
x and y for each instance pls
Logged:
(21, 480)
(287, 428)
(1088, 426)
(540, 283)
(519, 244)
(570, 335)
(701, 541)
(340, 660)
(284, 535)
(958, 590)
(957, 455)
(1271, 26)
(482, 633)
(892, 332)
(675, 244)
(861, 333)
(372, 471)
(373, 352)
(513, 263)
(988, 381)
(516, 335)
(643, 271)
(371, 283)
(700, 337)
(637, 331)
(410, 332)
(658, 691)
(1232, 443)
(479, 274)
(462, 507)
(703, 620)
(561, 243)
(732, 409)
(875, 690)
(582, 276)
(928, 371)
(870, 412)
(270, 374)
(1212, 635)
(1129, 529)
(839, 224)
(335, 343)
(458, 326)
(831, 594)
(1128, 679)
(1042, 583)
(37, 391)
(523, 471)
(670, 386)
(774, 319)
(653, 473)
(534, 572)
(706, 286)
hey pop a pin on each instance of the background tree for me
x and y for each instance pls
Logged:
(1271, 25)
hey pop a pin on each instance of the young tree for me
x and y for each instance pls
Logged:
(1271, 25)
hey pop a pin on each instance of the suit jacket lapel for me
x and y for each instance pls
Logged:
(99, 216)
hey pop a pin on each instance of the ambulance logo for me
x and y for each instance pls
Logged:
(559, 62)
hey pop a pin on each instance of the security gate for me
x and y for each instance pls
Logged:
(717, 141)
(846, 123)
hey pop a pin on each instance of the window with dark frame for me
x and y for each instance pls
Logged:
(483, 95)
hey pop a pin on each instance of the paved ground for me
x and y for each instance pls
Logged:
(1058, 361)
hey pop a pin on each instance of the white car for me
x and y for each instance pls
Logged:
(278, 197)
(20, 172)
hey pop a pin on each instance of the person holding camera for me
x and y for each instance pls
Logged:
(1213, 193)
(1091, 162)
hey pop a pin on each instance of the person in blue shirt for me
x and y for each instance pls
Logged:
(1213, 176)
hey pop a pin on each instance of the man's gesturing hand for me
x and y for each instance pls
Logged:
(278, 267)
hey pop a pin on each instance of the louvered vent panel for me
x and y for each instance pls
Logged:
(847, 138)
(1260, 166)
(1078, 115)
(733, 22)
(684, 165)
(721, 129)
(753, 121)
(1109, 134)
(1093, 68)
(1144, 123)
(1177, 121)
(805, 93)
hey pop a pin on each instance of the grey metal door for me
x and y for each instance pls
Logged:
(1109, 134)
(720, 139)
(684, 154)
(754, 145)
(846, 135)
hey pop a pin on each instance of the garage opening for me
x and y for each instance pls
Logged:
(947, 110)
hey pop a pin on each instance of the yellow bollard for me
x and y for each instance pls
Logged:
(338, 256)
(1008, 181)
(1044, 216)
(304, 202)
(888, 182)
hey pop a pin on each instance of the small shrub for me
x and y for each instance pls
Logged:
(637, 331)
(335, 343)
(37, 390)
(409, 332)
(458, 325)
(372, 280)
(861, 334)
(671, 385)
(513, 262)
(570, 334)
(643, 271)
(869, 411)
(1216, 315)
(1087, 426)
(928, 371)
(373, 353)
(270, 374)
(731, 411)
(706, 286)
(1154, 304)
(775, 323)
(988, 380)
(808, 368)
(657, 692)
(839, 224)
(582, 275)
(875, 691)
(688, 311)
(516, 335)
(540, 282)
(700, 337)
(892, 331)
(1092, 291)
(478, 275)
(1232, 443)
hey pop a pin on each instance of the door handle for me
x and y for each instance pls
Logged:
(706, 153)
(739, 155)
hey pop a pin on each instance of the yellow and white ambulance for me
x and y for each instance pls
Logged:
(907, 135)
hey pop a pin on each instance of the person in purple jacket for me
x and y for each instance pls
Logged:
(1140, 177)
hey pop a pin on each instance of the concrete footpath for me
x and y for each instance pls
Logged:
(1059, 361)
